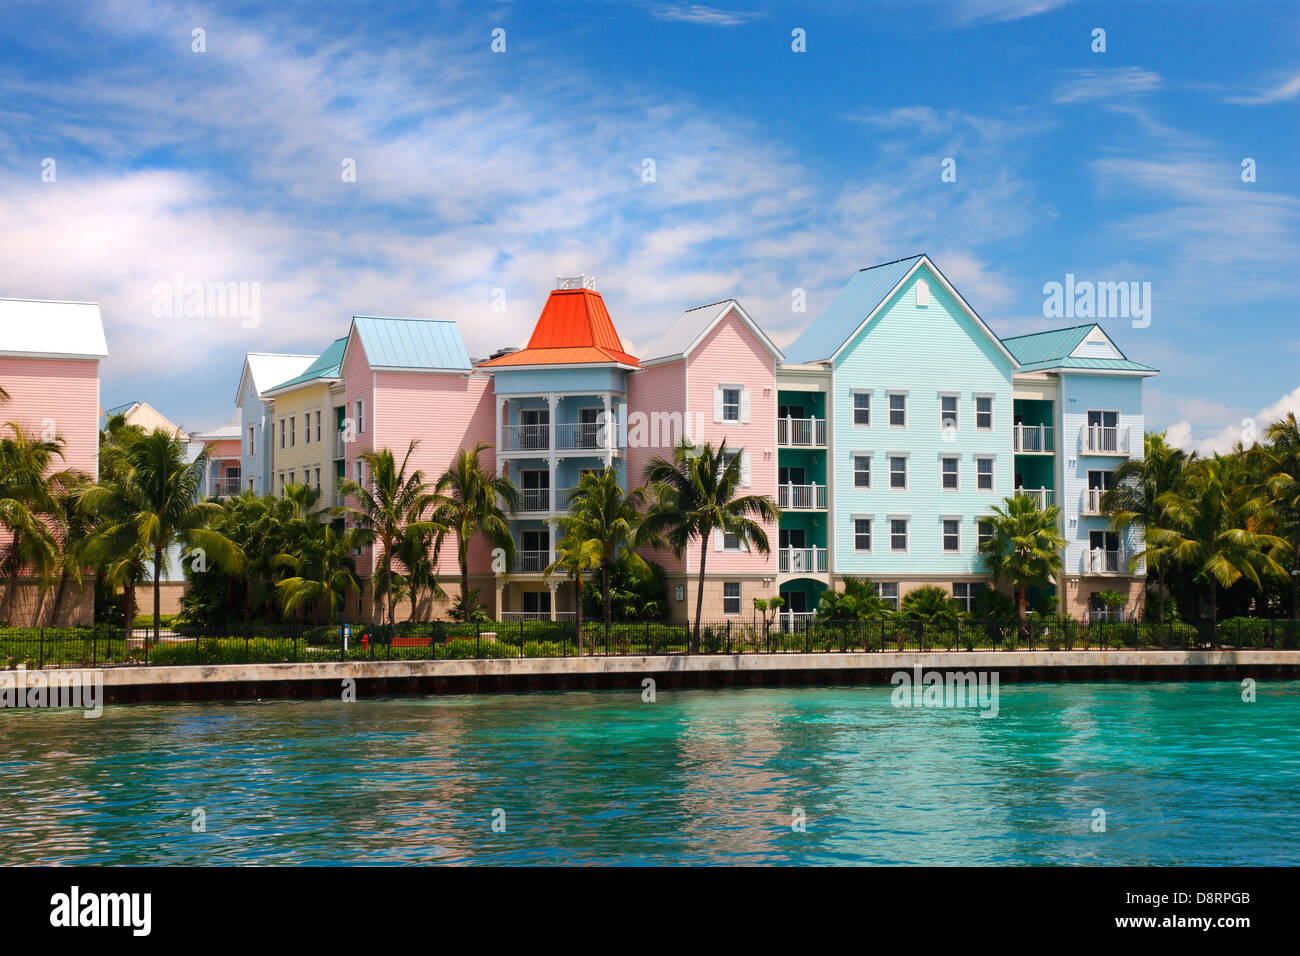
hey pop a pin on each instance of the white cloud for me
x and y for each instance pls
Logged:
(1225, 438)
(1286, 90)
(998, 11)
(698, 13)
(1099, 84)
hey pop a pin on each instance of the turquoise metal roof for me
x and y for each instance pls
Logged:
(847, 311)
(411, 343)
(329, 364)
(1043, 350)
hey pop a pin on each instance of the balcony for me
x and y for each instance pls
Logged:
(535, 499)
(583, 435)
(1099, 440)
(801, 560)
(531, 562)
(1032, 439)
(795, 620)
(791, 497)
(537, 615)
(1100, 561)
(525, 437)
(226, 487)
(1044, 497)
(801, 432)
(1091, 503)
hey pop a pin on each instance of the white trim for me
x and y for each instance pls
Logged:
(956, 423)
(731, 305)
(956, 297)
(942, 519)
(907, 469)
(993, 410)
(853, 406)
(907, 519)
(890, 393)
(993, 475)
(871, 532)
(853, 470)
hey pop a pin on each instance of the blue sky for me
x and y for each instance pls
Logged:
(774, 170)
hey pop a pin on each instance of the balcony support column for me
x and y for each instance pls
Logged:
(553, 406)
(503, 419)
(554, 586)
(552, 491)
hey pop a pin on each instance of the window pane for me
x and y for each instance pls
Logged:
(948, 411)
(898, 534)
(862, 534)
(898, 472)
(897, 409)
(950, 473)
(984, 412)
(861, 408)
(861, 471)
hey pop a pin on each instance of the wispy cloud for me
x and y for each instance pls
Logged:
(1225, 438)
(699, 13)
(1286, 90)
(970, 12)
(1096, 84)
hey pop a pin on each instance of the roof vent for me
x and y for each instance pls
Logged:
(500, 352)
(583, 281)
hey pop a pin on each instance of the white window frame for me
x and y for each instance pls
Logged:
(907, 469)
(318, 416)
(945, 457)
(293, 431)
(252, 440)
(282, 433)
(896, 598)
(726, 405)
(889, 408)
(993, 473)
(726, 598)
(967, 601)
(907, 533)
(853, 460)
(853, 406)
(871, 533)
(956, 413)
(993, 410)
(359, 405)
(943, 548)
(979, 538)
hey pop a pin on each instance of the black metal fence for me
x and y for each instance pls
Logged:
(103, 646)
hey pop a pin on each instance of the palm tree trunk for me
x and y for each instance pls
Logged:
(128, 607)
(157, 590)
(578, 614)
(11, 572)
(699, 594)
(462, 553)
(58, 599)
(604, 583)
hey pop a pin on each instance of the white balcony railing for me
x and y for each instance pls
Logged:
(1033, 439)
(801, 560)
(1099, 440)
(535, 499)
(531, 562)
(580, 435)
(792, 497)
(340, 446)
(526, 437)
(1043, 497)
(1091, 504)
(225, 487)
(1101, 561)
(537, 615)
(801, 432)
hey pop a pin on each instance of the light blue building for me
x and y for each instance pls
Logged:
(919, 419)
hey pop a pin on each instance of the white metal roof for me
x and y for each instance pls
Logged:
(694, 325)
(269, 369)
(41, 329)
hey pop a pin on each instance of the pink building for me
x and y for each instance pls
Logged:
(411, 379)
(714, 372)
(49, 366)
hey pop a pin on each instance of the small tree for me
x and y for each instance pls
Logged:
(573, 558)
(1025, 547)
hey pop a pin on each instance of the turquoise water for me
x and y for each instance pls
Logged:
(1186, 774)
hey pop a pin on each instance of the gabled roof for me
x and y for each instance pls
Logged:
(266, 369)
(573, 329)
(394, 343)
(327, 366)
(43, 329)
(694, 325)
(1079, 347)
(229, 430)
(856, 304)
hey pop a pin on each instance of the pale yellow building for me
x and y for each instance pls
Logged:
(303, 437)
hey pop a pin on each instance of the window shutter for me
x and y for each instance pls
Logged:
(717, 404)
(744, 469)
(744, 408)
(718, 540)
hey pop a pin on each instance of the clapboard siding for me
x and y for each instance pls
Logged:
(655, 395)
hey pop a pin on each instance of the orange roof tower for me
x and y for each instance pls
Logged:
(573, 329)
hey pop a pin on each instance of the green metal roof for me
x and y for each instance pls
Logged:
(1044, 350)
(329, 364)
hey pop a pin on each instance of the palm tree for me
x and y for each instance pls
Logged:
(1137, 486)
(1025, 547)
(1212, 523)
(324, 572)
(859, 601)
(73, 528)
(602, 512)
(695, 495)
(573, 558)
(929, 604)
(392, 507)
(1282, 466)
(149, 502)
(472, 501)
(418, 551)
(28, 497)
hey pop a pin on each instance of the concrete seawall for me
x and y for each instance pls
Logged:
(381, 678)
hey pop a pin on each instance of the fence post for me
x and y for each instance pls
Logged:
(94, 646)
(478, 639)
(41, 644)
(728, 637)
